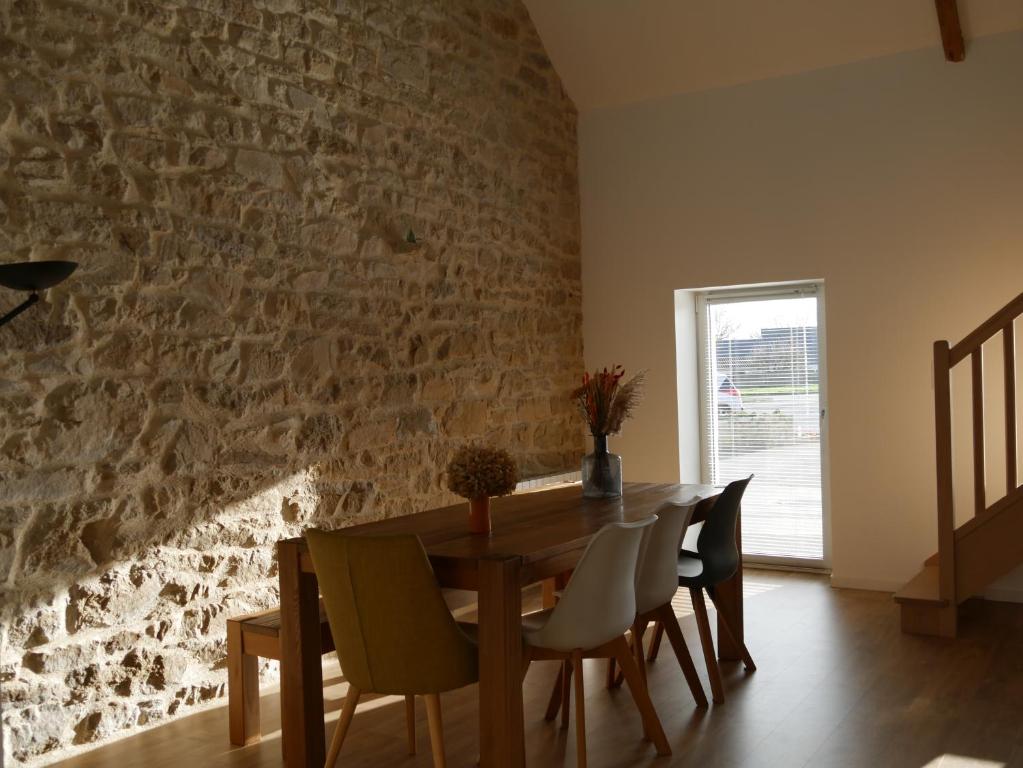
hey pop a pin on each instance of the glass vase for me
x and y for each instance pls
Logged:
(602, 471)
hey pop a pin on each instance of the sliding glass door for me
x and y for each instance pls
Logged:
(762, 413)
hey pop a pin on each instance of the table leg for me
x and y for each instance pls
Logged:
(728, 599)
(500, 647)
(549, 588)
(302, 730)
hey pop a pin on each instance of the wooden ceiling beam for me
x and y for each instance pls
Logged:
(951, 30)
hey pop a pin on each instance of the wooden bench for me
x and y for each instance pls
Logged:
(250, 637)
(256, 635)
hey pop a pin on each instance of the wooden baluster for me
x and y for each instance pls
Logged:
(1009, 341)
(977, 364)
(943, 455)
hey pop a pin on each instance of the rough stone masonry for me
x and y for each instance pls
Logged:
(250, 346)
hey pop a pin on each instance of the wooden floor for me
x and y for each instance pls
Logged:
(837, 685)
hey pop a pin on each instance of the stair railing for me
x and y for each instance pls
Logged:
(945, 359)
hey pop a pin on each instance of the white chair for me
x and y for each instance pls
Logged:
(656, 586)
(596, 608)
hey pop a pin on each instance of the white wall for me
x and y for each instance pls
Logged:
(687, 387)
(899, 181)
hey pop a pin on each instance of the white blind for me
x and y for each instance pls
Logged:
(761, 416)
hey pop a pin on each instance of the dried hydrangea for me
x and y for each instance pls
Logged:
(478, 470)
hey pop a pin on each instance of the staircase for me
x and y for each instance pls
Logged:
(990, 544)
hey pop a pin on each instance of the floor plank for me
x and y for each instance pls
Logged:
(838, 685)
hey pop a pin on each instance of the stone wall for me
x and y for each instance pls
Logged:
(249, 346)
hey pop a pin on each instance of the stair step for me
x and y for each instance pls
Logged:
(922, 588)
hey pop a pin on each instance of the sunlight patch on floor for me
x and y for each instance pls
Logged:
(959, 761)
(335, 690)
(683, 604)
(754, 588)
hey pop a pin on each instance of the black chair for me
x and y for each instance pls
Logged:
(715, 560)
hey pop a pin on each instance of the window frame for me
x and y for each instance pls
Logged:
(814, 288)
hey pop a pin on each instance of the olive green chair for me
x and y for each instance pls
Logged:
(392, 629)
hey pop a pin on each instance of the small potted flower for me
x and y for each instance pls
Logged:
(605, 402)
(477, 472)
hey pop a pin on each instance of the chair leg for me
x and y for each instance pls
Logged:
(638, 629)
(619, 677)
(717, 690)
(566, 693)
(242, 689)
(651, 722)
(343, 722)
(436, 729)
(554, 703)
(669, 623)
(747, 660)
(655, 641)
(580, 710)
(410, 722)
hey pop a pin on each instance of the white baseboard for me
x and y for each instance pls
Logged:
(871, 585)
(998, 594)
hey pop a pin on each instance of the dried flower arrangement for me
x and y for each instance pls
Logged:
(605, 402)
(480, 471)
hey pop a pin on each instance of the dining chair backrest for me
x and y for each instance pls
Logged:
(392, 629)
(599, 601)
(657, 577)
(716, 542)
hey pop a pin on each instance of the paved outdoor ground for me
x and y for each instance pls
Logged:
(804, 409)
(782, 510)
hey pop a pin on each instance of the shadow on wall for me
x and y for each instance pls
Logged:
(141, 509)
(118, 620)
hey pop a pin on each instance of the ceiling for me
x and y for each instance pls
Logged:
(613, 52)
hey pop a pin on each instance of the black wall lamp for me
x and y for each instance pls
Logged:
(32, 276)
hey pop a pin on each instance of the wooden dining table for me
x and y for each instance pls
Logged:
(536, 537)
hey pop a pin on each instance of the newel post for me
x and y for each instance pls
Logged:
(943, 455)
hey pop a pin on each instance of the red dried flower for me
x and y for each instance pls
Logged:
(605, 402)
